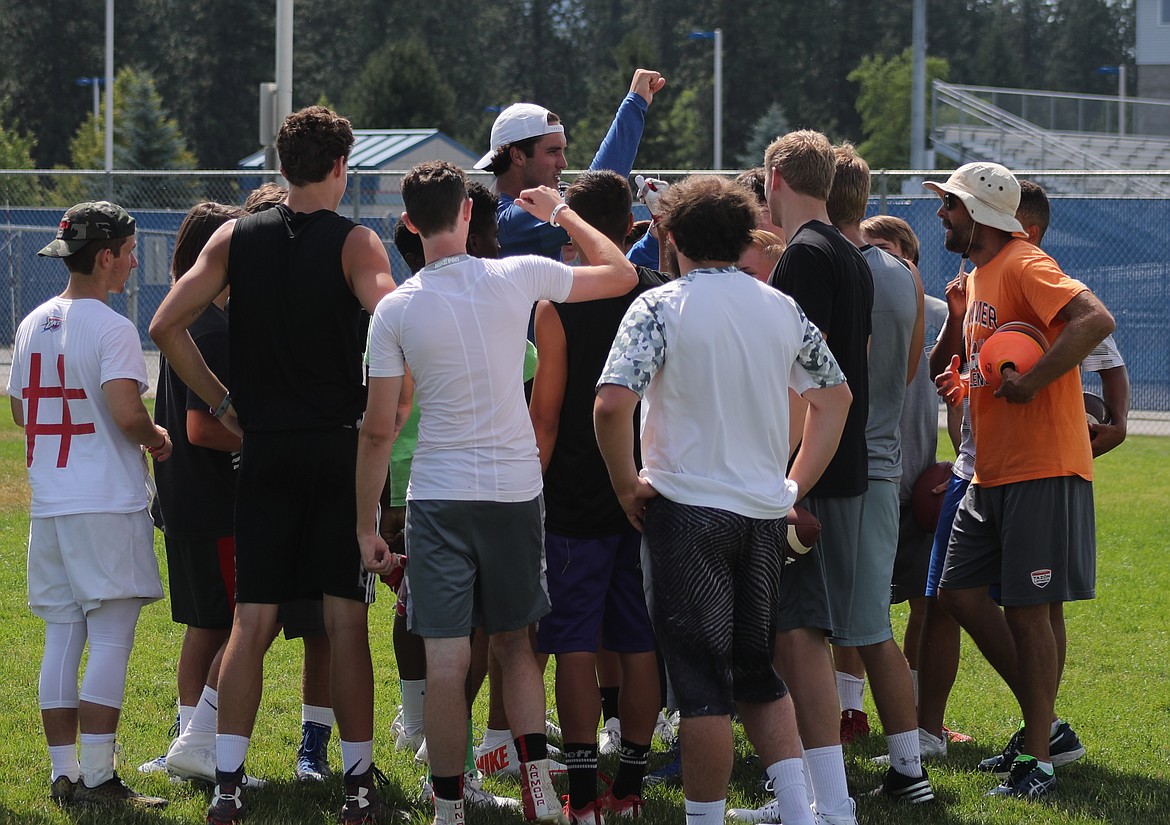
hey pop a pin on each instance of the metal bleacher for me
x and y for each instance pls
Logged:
(1033, 130)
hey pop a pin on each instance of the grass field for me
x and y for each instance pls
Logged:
(1116, 693)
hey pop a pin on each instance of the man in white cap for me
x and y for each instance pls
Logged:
(528, 150)
(1032, 455)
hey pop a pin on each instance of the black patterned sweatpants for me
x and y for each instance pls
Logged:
(715, 586)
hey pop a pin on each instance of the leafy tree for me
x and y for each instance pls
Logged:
(771, 125)
(145, 137)
(16, 153)
(884, 105)
(400, 87)
(1087, 34)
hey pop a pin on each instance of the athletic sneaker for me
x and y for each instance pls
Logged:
(227, 804)
(1063, 747)
(1026, 780)
(766, 813)
(609, 740)
(840, 819)
(422, 756)
(501, 760)
(551, 729)
(854, 725)
(955, 737)
(159, 763)
(670, 773)
(114, 790)
(915, 790)
(362, 804)
(192, 757)
(931, 746)
(589, 815)
(474, 793)
(402, 740)
(666, 728)
(628, 806)
(313, 754)
(62, 790)
(540, 800)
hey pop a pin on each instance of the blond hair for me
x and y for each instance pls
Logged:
(806, 162)
(894, 230)
(850, 191)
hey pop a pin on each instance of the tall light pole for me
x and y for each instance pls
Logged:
(918, 88)
(717, 36)
(109, 97)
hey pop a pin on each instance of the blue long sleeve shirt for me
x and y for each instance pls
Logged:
(523, 234)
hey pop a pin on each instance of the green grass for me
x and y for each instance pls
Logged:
(1116, 692)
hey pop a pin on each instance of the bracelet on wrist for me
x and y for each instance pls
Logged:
(219, 411)
(552, 219)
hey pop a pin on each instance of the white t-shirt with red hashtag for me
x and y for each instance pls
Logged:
(78, 460)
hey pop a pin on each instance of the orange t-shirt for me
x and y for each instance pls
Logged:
(1046, 437)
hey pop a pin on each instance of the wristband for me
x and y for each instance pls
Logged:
(219, 411)
(552, 219)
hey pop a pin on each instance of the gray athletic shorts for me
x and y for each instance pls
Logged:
(475, 563)
(804, 593)
(1037, 539)
(860, 565)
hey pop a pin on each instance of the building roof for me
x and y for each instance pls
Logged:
(381, 148)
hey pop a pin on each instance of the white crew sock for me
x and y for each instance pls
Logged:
(318, 715)
(97, 758)
(357, 757)
(905, 753)
(64, 761)
(826, 772)
(185, 714)
(706, 813)
(850, 690)
(413, 699)
(230, 752)
(788, 786)
(206, 713)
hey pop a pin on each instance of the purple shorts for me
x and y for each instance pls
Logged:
(595, 587)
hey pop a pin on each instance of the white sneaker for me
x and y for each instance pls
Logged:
(666, 728)
(501, 759)
(540, 800)
(475, 795)
(767, 813)
(422, 756)
(551, 729)
(931, 746)
(192, 757)
(403, 740)
(609, 741)
(840, 819)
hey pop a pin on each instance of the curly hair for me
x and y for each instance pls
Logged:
(709, 217)
(310, 142)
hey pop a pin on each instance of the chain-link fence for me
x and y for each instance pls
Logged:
(1117, 245)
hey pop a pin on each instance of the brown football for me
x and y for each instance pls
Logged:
(1096, 412)
(926, 505)
(803, 531)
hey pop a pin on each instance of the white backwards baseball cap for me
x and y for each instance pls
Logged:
(519, 121)
(989, 191)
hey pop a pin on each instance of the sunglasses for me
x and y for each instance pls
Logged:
(950, 201)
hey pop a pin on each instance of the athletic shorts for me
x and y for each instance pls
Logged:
(859, 564)
(202, 576)
(302, 619)
(76, 562)
(475, 564)
(912, 560)
(295, 511)
(716, 582)
(1036, 538)
(595, 587)
(804, 593)
(956, 489)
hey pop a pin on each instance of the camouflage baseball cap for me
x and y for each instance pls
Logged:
(89, 221)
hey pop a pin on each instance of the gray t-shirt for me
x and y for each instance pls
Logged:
(919, 423)
(895, 308)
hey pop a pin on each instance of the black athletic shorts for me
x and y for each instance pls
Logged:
(202, 573)
(295, 518)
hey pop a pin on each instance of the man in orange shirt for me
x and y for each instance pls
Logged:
(1032, 455)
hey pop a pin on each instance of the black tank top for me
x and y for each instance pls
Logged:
(578, 497)
(297, 331)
